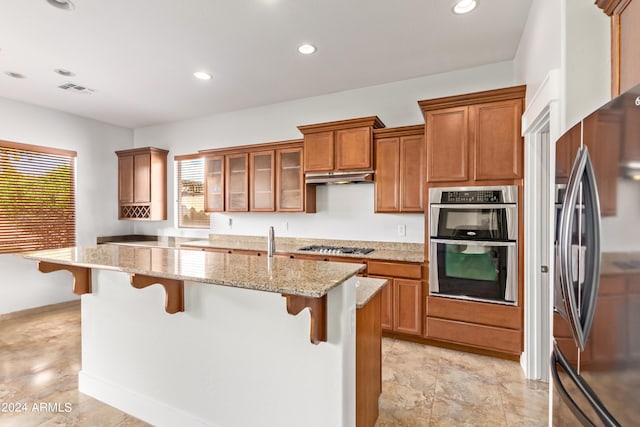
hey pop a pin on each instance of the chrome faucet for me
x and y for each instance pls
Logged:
(271, 242)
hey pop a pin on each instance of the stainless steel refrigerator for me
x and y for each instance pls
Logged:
(595, 363)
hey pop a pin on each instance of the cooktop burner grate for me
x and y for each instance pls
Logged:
(336, 250)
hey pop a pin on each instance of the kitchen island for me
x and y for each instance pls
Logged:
(217, 342)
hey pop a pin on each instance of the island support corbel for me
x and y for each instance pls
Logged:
(174, 290)
(318, 309)
(81, 275)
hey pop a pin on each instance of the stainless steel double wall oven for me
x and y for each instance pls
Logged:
(473, 252)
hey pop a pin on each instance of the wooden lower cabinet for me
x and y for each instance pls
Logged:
(489, 326)
(401, 297)
(368, 362)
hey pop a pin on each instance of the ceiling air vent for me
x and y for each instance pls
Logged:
(72, 87)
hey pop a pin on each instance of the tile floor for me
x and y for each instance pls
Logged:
(422, 385)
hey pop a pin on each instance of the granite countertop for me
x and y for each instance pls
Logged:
(276, 274)
(620, 263)
(387, 251)
(367, 288)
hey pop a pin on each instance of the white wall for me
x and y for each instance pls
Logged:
(21, 285)
(586, 59)
(344, 212)
(539, 48)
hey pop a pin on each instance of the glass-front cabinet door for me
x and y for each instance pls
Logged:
(237, 178)
(214, 173)
(290, 180)
(262, 181)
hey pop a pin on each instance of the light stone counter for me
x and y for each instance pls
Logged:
(367, 288)
(620, 263)
(277, 274)
(387, 251)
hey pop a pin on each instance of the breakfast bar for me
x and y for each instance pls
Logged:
(181, 337)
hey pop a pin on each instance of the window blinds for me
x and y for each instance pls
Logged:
(37, 198)
(190, 185)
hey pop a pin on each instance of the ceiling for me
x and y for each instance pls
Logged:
(139, 55)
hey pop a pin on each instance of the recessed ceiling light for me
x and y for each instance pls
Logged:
(64, 72)
(464, 6)
(202, 75)
(15, 75)
(306, 49)
(62, 4)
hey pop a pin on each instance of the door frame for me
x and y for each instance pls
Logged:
(540, 128)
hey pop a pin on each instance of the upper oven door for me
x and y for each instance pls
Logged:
(487, 222)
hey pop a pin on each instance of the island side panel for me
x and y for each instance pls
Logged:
(234, 357)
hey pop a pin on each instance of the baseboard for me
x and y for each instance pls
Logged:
(140, 406)
(43, 309)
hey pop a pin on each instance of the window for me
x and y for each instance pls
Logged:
(37, 198)
(190, 189)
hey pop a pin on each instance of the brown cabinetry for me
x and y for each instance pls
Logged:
(257, 178)
(142, 184)
(339, 146)
(262, 181)
(401, 297)
(625, 39)
(214, 183)
(368, 362)
(237, 181)
(475, 137)
(490, 326)
(399, 169)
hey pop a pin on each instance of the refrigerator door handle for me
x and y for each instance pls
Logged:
(558, 358)
(579, 313)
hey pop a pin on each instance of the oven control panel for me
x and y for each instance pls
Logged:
(487, 196)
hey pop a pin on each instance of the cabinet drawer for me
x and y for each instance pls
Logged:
(489, 337)
(409, 271)
(503, 316)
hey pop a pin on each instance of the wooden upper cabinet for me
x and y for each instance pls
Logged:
(475, 137)
(257, 178)
(262, 181)
(319, 152)
(497, 143)
(344, 145)
(387, 175)
(291, 192)
(354, 149)
(625, 42)
(142, 178)
(447, 144)
(142, 184)
(412, 166)
(125, 179)
(214, 183)
(237, 182)
(399, 169)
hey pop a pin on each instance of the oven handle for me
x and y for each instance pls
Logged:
(472, 242)
(474, 206)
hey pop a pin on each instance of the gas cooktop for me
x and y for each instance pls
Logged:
(336, 250)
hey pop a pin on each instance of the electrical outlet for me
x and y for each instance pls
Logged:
(285, 226)
(402, 230)
(230, 222)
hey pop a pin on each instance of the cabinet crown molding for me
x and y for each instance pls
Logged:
(292, 143)
(610, 7)
(398, 131)
(142, 150)
(372, 121)
(473, 98)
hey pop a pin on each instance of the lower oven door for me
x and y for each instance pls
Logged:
(476, 270)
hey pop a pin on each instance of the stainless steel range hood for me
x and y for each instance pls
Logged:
(339, 177)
